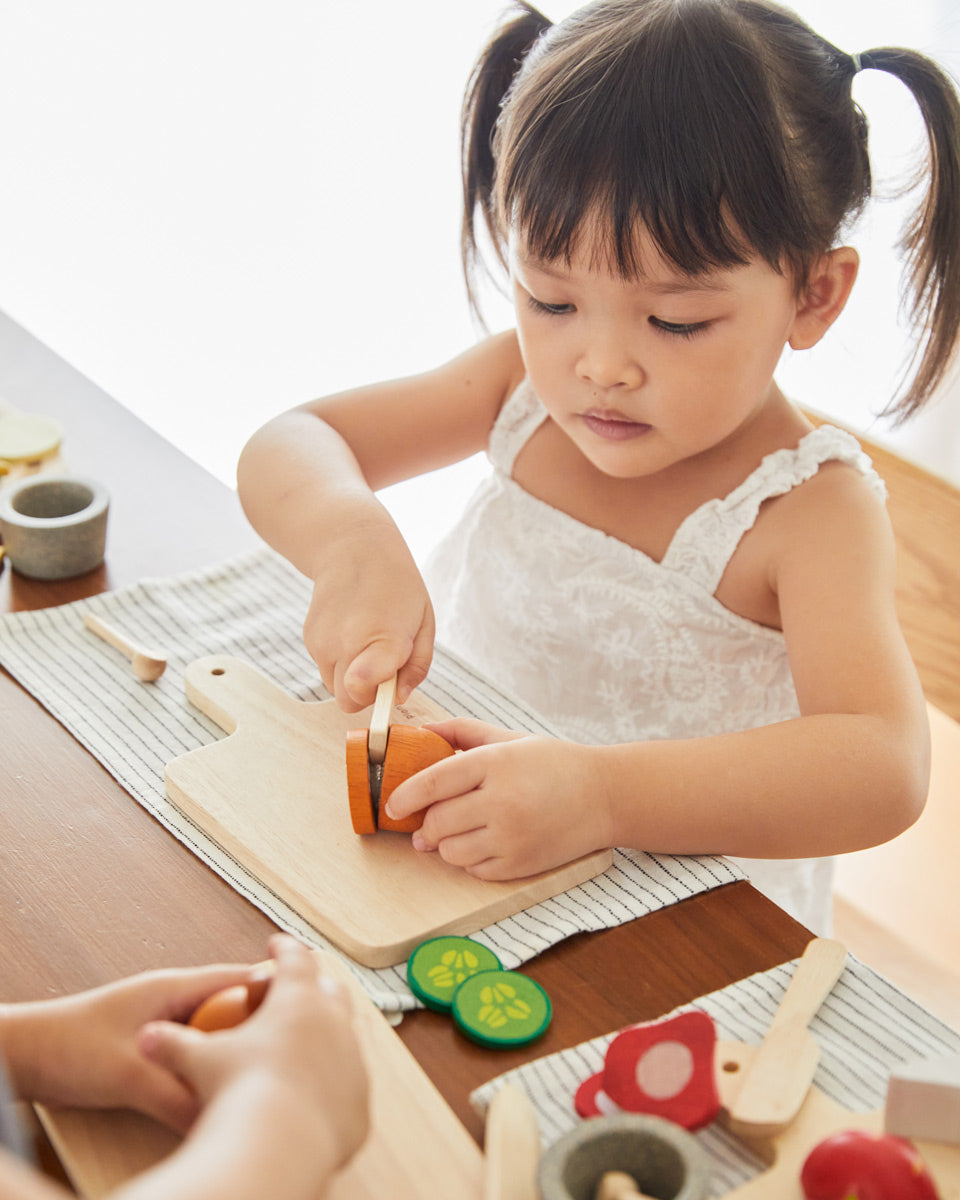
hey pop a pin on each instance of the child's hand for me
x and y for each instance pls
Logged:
(81, 1050)
(511, 806)
(296, 1059)
(370, 617)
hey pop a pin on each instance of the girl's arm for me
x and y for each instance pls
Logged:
(283, 1098)
(850, 772)
(307, 481)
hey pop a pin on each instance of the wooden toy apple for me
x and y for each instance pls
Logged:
(856, 1165)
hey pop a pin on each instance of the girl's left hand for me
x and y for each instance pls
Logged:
(511, 806)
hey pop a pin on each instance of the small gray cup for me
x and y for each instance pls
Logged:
(665, 1160)
(54, 527)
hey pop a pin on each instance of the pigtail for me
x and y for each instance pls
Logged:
(487, 88)
(931, 238)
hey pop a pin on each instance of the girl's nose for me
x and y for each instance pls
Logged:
(608, 362)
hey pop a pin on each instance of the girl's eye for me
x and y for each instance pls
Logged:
(679, 330)
(552, 310)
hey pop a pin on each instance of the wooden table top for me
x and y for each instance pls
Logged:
(92, 888)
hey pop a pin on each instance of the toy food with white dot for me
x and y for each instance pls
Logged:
(662, 1068)
(380, 758)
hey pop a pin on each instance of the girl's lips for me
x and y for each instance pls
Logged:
(613, 426)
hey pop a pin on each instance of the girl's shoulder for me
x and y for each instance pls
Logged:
(838, 500)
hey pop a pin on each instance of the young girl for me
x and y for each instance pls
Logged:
(669, 562)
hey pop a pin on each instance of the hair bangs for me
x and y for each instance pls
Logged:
(671, 129)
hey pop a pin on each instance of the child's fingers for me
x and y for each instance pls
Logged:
(171, 1047)
(197, 986)
(296, 964)
(414, 670)
(467, 733)
(376, 662)
(451, 777)
(456, 828)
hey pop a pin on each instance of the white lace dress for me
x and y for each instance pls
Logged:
(609, 646)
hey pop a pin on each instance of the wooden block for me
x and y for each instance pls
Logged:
(274, 795)
(923, 1100)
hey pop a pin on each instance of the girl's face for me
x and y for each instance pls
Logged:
(647, 372)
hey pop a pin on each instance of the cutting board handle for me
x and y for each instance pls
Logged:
(227, 690)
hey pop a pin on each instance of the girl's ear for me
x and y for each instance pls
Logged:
(824, 298)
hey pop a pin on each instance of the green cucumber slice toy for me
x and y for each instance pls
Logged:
(440, 965)
(501, 1008)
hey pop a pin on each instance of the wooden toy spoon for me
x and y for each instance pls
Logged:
(780, 1075)
(148, 665)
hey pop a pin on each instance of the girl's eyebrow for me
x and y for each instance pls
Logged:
(682, 285)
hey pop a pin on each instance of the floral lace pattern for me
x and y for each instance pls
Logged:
(604, 643)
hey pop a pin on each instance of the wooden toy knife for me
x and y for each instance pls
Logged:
(380, 721)
(781, 1073)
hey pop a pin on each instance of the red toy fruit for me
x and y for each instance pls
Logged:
(856, 1165)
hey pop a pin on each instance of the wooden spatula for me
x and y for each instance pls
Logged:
(511, 1145)
(779, 1076)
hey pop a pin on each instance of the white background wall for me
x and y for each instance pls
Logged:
(220, 208)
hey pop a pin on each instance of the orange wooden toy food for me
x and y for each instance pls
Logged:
(409, 750)
(231, 1005)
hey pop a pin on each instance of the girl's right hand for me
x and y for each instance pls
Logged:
(370, 616)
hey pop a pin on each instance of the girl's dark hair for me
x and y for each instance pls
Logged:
(726, 127)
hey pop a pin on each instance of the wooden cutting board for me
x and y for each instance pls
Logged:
(819, 1117)
(273, 794)
(417, 1147)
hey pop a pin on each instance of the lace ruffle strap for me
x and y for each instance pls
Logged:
(522, 412)
(706, 540)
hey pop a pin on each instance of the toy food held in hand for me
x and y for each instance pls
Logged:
(370, 785)
(231, 1006)
(856, 1165)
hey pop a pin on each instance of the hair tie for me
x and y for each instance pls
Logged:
(858, 63)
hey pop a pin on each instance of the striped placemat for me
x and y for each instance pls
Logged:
(864, 1028)
(252, 607)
